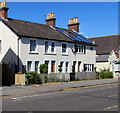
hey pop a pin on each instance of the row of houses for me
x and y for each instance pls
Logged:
(24, 45)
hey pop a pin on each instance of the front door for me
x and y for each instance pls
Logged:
(53, 66)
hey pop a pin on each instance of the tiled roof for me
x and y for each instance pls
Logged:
(36, 30)
(107, 43)
(102, 58)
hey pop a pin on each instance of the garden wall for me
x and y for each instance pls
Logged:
(63, 77)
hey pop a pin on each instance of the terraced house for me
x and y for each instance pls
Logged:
(108, 53)
(25, 45)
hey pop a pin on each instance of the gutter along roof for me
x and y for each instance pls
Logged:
(42, 31)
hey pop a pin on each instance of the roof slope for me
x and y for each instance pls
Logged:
(75, 36)
(30, 29)
(36, 30)
(102, 58)
(107, 43)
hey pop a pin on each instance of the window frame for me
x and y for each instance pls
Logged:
(53, 47)
(62, 48)
(29, 70)
(66, 67)
(37, 67)
(88, 67)
(46, 51)
(79, 48)
(36, 46)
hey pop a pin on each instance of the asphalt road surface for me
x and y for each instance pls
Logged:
(97, 98)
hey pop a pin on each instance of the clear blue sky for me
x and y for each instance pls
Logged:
(96, 18)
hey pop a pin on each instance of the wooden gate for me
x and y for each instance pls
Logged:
(8, 77)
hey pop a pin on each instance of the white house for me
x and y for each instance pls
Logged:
(108, 53)
(25, 45)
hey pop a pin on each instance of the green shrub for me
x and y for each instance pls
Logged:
(44, 68)
(105, 73)
(33, 78)
(45, 78)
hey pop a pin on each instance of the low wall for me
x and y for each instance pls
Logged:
(85, 75)
(55, 77)
(62, 77)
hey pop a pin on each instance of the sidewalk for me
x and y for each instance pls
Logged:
(27, 90)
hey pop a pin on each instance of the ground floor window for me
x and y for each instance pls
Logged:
(67, 66)
(36, 66)
(32, 66)
(89, 67)
(79, 63)
(74, 66)
(61, 66)
(29, 66)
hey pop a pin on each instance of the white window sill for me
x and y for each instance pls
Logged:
(65, 54)
(80, 53)
(33, 52)
(50, 54)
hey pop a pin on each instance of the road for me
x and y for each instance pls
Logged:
(94, 98)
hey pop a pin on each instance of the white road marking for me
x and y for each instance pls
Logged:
(13, 98)
(111, 107)
(112, 96)
(23, 97)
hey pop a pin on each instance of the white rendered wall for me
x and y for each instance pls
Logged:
(9, 45)
(88, 58)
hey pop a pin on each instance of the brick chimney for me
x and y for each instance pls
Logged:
(3, 10)
(74, 24)
(50, 20)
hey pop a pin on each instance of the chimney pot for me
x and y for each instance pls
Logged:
(74, 24)
(50, 20)
(3, 10)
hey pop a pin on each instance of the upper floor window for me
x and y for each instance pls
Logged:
(79, 49)
(52, 47)
(46, 46)
(49, 47)
(0, 46)
(64, 48)
(33, 45)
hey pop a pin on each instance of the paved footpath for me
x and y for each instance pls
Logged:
(27, 90)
